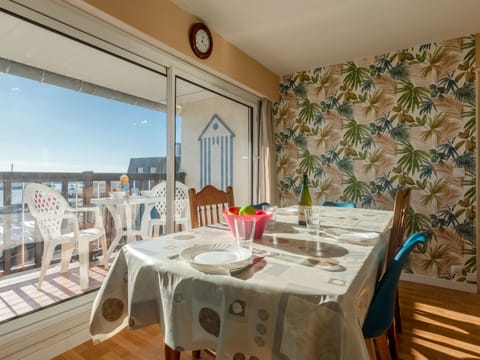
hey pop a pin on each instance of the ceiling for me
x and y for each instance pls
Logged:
(25, 43)
(289, 36)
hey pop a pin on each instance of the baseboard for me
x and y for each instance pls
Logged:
(49, 332)
(448, 284)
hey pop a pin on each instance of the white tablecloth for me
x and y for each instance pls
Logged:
(306, 299)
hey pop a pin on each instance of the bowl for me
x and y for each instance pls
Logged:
(262, 219)
(117, 194)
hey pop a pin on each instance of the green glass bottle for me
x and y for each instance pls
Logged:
(305, 201)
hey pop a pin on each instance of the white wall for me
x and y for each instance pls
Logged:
(195, 116)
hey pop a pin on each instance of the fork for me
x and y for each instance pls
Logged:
(328, 234)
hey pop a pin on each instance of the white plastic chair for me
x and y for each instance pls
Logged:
(154, 226)
(54, 217)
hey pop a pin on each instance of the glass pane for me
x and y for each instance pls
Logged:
(213, 144)
(75, 119)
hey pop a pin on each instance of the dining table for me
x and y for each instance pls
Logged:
(294, 293)
(124, 212)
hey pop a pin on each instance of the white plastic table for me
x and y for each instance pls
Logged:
(124, 212)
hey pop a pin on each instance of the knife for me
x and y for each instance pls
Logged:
(237, 271)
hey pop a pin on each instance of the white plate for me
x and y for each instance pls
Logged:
(287, 211)
(216, 258)
(368, 238)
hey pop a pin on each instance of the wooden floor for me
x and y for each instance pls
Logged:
(437, 324)
(19, 295)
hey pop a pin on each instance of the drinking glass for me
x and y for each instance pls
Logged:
(244, 230)
(312, 220)
(273, 210)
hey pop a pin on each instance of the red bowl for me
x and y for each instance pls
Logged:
(262, 219)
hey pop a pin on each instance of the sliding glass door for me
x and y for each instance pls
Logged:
(75, 118)
(78, 111)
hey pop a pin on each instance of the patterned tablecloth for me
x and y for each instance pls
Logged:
(307, 298)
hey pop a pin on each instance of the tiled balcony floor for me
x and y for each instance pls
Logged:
(19, 295)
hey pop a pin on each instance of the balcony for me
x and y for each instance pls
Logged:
(21, 245)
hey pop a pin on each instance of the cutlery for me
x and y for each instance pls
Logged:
(328, 234)
(221, 226)
(239, 270)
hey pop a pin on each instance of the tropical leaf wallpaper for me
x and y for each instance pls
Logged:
(365, 128)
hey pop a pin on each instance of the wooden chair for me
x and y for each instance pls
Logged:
(397, 236)
(207, 205)
(206, 208)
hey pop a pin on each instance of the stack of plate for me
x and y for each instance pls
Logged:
(217, 258)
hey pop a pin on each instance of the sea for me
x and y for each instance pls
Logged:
(16, 197)
(74, 189)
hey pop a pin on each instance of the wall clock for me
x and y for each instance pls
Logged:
(201, 40)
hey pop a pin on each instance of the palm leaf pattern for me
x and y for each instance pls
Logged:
(323, 81)
(373, 160)
(373, 102)
(354, 75)
(434, 126)
(323, 134)
(411, 159)
(433, 61)
(354, 189)
(308, 110)
(434, 256)
(344, 122)
(434, 191)
(411, 96)
(354, 132)
(308, 161)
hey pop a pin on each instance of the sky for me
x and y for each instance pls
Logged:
(50, 128)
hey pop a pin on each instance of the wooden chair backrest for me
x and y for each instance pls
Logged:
(207, 205)
(399, 222)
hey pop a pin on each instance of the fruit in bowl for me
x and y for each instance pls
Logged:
(247, 210)
(262, 218)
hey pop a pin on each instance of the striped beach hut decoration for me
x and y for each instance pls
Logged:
(216, 154)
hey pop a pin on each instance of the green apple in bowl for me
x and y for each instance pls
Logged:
(247, 210)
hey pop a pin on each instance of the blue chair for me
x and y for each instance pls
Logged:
(260, 206)
(348, 204)
(381, 311)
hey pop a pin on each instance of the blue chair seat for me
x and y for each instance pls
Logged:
(260, 206)
(349, 204)
(382, 308)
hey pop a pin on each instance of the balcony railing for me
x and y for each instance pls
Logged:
(21, 245)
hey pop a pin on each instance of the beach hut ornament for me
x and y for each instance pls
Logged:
(216, 154)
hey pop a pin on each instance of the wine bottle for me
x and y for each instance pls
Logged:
(305, 201)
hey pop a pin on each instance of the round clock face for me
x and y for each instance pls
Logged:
(201, 40)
